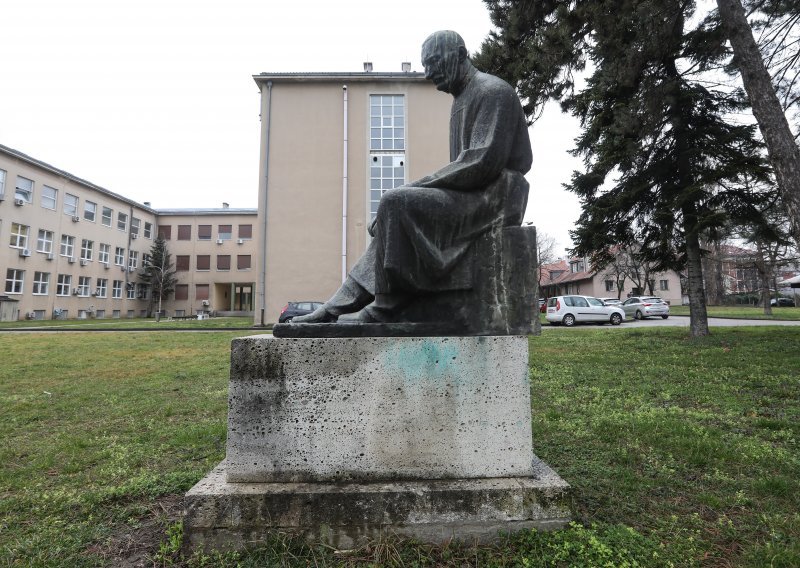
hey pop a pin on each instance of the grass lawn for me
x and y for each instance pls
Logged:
(746, 312)
(132, 323)
(681, 452)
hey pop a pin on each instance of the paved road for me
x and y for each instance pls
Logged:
(683, 321)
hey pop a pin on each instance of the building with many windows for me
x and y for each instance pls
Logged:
(331, 145)
(72, 249)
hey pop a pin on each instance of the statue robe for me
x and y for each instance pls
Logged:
(424, 230)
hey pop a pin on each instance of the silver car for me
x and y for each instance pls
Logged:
(640, 307)
(569, 310)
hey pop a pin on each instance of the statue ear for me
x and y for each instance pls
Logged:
(462, 53)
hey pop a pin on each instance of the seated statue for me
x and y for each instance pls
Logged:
(424, 231)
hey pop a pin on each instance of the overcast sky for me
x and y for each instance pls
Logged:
(154, 99)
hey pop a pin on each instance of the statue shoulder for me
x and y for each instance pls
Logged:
(492, 85)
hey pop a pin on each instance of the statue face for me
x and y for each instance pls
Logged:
(441, 61)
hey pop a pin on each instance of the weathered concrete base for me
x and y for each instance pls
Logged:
(221, 515)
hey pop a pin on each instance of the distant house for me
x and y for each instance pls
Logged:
(575, 276)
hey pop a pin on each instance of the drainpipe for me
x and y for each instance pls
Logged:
(344, 182)
(262, 276)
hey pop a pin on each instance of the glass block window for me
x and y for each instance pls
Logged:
(387, 120)
(387, 171)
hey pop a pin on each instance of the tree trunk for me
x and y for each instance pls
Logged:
(698, 316)
(783, 152)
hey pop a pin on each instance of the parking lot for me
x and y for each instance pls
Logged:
(678, 321)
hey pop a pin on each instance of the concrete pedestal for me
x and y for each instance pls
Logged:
(345, 439)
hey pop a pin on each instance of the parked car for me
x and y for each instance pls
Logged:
(569, 310)
(640, 307)
(294, 309)
(611, 301)
(782, 302)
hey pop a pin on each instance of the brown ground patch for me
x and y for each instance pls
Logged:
(134, 547)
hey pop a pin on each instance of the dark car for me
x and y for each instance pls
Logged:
(782, 302)
(294, 309)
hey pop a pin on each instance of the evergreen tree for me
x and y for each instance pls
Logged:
(663, 160)
(158, 274)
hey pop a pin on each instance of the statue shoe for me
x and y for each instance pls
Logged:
(320, 315)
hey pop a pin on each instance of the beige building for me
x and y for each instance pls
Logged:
(72, 249)
(213, 253)
(331, 144)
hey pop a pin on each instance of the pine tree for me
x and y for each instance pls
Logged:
(158, 274)
(663, 160)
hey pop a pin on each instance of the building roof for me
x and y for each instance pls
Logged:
(211, 211)
(356, 77)
(71, 177)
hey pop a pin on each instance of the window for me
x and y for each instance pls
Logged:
(204, 232)
(133, 259)
(119, 256)
(14, 281)
(225, 232)
(49, 196)
(223, 262)
(165, 232)
(102, 287)
(609, 285)
(41, 283)
(386, 172)
(108, 216)
(146, 260)
(181, 291)
(116, 289)
(89, 211)
(184, 232)
(122, 221)
(103, 253)
(2, 183)
(243, 262)
(87, 249)
(24, 189)
(19, 236)
(67, 245)
(245, 231)
(387, 122)
(142, 292)
(663, 285)
(84, 285)
(63, 285)
(201, 292)
(135, 226)
(387, 146)
(44, 242)
(182, 262)
(130, 291)
(148, 230)
(70, 204)
(203, 262)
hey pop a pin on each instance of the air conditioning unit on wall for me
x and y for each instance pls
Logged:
(19, 202)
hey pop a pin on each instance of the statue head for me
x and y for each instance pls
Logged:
(445, 59)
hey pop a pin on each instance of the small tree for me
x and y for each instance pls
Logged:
(158, 274)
